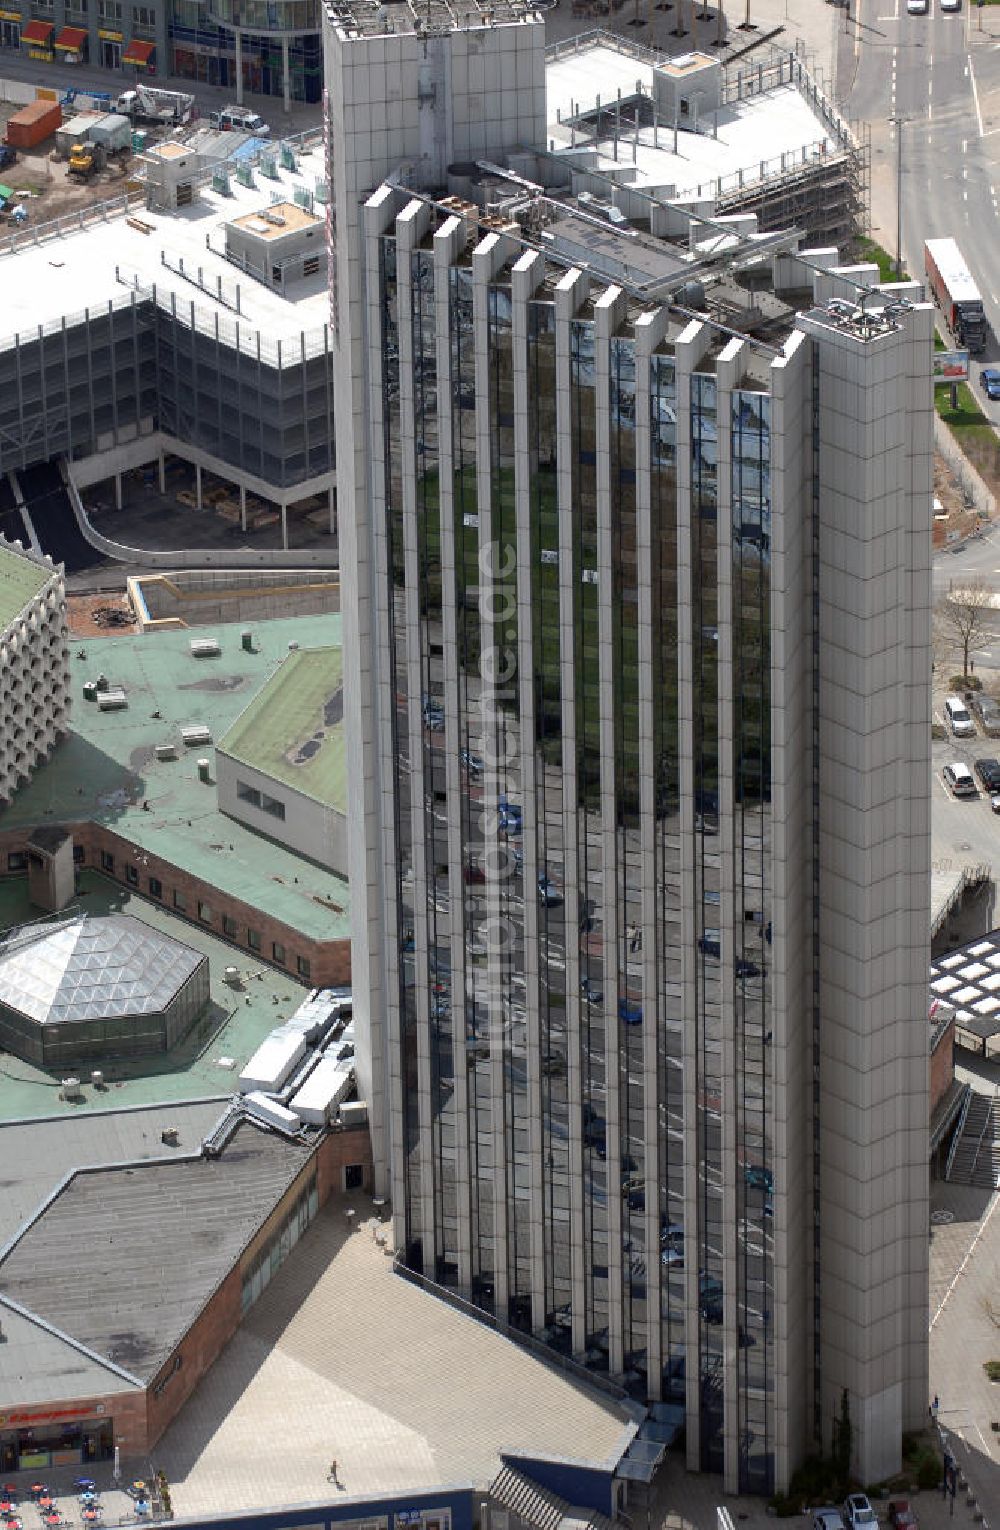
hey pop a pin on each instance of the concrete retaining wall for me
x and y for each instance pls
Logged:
(303, 557)
(199, 597)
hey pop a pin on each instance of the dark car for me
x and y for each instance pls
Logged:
(758, 1178)
(988, 771)
(7, 156)
(990, 379)
(511, 818)
(474, 875)
(901, 1515)
(710, 943)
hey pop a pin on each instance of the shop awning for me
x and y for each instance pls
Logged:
(71, 39)
(138, 53)
(37, 32)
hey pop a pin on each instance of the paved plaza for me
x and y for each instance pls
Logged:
(341, 1358)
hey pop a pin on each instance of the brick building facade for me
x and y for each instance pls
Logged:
(320, 963)
(140, 1416)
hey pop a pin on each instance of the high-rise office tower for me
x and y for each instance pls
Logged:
(639, 614)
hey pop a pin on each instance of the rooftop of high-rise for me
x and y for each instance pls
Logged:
(386, 18)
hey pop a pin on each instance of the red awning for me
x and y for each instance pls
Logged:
(71, 39)
(138, 52)
(37, 32)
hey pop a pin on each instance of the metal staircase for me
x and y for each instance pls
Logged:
(975, 1157)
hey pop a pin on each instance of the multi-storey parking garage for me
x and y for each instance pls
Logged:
(207, 339)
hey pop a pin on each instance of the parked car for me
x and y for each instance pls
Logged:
(239, 119)
(629, 1012)
(710, 1298)
(474, 875)
(827, 1519)
(634, 1193)
(591, 992)
(859, 1514)
(901, 1515)
(958, 717)
(960, 778)
(995, 802)
(710, 943)
(511, 818)
(549, 895)
(8, 156)
(672, 1245)
(989, 376)
(758, 1178)
(988, 771)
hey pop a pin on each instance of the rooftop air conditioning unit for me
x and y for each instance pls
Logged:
(71, 1089)
(195, 733)
(205, 648)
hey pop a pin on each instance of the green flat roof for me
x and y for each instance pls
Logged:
(106, 768)
(234, 1026)
(21, 579)
(291, 730)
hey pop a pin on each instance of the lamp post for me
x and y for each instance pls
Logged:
(898, 123)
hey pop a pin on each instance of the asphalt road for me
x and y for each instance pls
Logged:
(941, 74)
(977, 559)
(85, 77)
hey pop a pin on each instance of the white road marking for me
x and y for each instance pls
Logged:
(971, 1250)
(975, 96)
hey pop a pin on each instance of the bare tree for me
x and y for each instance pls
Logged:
(964, 616)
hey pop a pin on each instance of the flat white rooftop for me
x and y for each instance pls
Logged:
(70, 271)
(761, 127)
(343, 1357)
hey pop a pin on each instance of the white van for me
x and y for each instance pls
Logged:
(958, 717)
(241, 119)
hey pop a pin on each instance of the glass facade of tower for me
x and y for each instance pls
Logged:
(580, 720)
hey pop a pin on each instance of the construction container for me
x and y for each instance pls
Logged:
(33, 124)
(74, 132)
(112, 132)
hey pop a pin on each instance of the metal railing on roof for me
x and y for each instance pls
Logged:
(598, 37)
(227, 330)
(15, 239)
